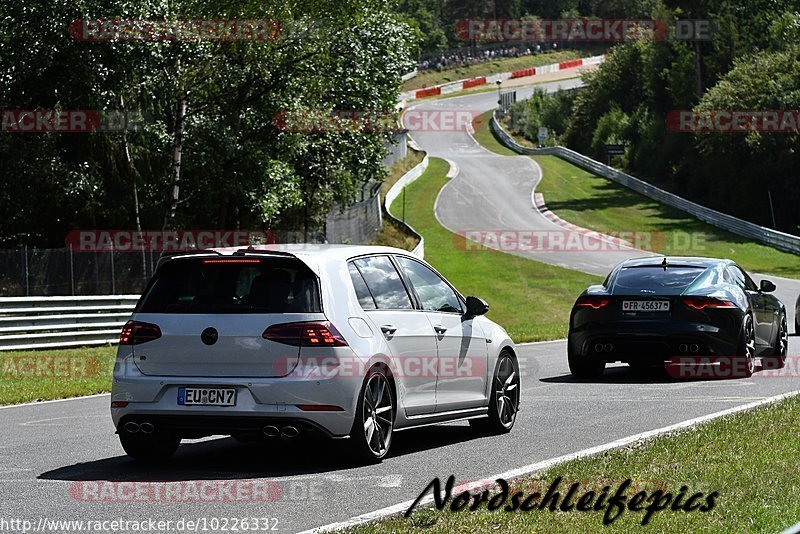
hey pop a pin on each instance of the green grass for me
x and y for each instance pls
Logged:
(433, 77)
(531, 300)
(27, 376)
(484, 135)
(593, 202)
(749, 458)
(597, 203)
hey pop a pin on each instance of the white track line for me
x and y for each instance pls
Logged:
(54, 400)
(546, 464)
(540, 342)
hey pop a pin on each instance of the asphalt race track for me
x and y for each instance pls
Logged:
(52, 454)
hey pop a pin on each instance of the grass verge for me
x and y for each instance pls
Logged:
(597, 203)
(593, 202)
(28, 376)
(531, 300)
(486, 68)
(483, 134)
(747, 458)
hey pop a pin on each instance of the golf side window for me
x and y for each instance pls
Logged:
(433, 292)
(383, 283)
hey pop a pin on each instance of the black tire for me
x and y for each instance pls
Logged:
(777, 358)
(504, 398)
(584, 367)
(745, 358)
(373, 426)
(155, 447)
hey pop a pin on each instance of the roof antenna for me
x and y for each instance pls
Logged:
(664, 263)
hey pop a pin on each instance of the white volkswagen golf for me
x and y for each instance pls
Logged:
(276, 341)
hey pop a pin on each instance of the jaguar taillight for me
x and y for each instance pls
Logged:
(592, 301)
(702, 303)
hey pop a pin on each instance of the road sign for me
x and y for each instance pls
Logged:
(506, 99)
(543, 133)
(615, 150)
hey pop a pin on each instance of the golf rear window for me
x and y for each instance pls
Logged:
(228, 285)
(656, 277)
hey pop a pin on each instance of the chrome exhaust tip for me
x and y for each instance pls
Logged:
(608, 347)
(598, 347)
(131, 427)
(290, 431)
(146, 428)
(271, 431)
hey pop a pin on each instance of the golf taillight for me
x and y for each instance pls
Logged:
(305, 334)
(136, 332)
(701, 303)
(593, 302)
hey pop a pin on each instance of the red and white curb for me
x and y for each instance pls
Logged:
(453, 87)
(541, 207)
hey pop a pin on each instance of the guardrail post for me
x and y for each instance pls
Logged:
(113, 278)
(25, 267)
(71, 272)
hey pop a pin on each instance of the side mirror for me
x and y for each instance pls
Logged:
(476, 306)
(767, 286)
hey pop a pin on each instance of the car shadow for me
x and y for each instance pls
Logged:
(627, 375)
(616, 375)
(227, 459)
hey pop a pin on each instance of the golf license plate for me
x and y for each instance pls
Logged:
(645, 305)
(197, 396)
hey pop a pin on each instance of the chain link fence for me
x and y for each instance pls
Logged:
(28, 271)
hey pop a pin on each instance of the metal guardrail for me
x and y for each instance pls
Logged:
(60, 322)
(394, 192)
(767, 236)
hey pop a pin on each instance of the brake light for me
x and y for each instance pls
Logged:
(592, 302)
(135, 333)
(700, 303)
(305, 334)
(231, 261)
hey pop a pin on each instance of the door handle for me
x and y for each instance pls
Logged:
(440, 330)
(388, 329)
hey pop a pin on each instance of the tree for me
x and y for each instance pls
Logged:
(209, 108)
